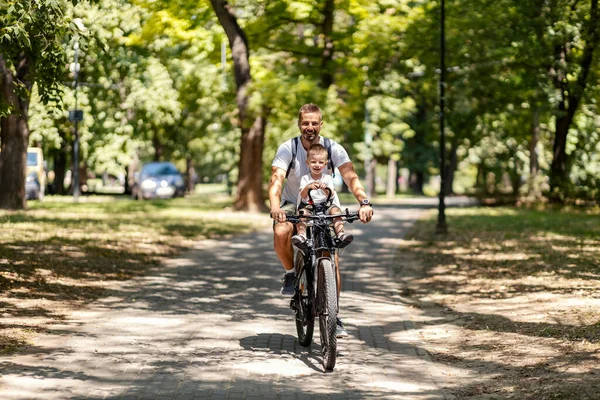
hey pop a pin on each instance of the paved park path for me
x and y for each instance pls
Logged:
(211, 324)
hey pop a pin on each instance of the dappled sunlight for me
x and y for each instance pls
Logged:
(511, 300)
(238, 278)
(214, 318)
(396, 386)
(142, 323)
(246, 246)
(499, 256)
(388, 241)
(278, 367)
(15, 387)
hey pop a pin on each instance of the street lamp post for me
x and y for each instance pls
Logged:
(369, 155)
(442, 227)
(369, 179)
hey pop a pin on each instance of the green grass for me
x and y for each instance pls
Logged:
(531, 278)
(60, 250)
(563, 242)
(348, 199)
(59, 254)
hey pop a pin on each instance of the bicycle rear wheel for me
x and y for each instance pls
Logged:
(305, 319)
(327, 313)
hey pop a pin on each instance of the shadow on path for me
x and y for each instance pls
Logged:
(212, 324)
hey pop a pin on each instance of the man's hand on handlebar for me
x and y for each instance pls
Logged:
(365, 213)
(278, 214)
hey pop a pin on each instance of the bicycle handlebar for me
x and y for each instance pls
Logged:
(349, 216)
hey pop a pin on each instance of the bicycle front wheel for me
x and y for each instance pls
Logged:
(327, 313)
(305, 319)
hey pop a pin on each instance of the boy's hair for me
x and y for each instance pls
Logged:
(317, 148)
(309, 108)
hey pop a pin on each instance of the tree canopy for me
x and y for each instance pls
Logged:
(163, 80)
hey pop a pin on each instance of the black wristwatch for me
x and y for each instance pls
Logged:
(365, 202)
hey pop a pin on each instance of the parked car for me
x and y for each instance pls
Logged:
(35, 182)
(158, 180)
(32, 187)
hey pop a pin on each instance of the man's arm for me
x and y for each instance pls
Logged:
(275, 188)
(351, 179)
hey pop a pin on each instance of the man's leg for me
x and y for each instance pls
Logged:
(282, 242)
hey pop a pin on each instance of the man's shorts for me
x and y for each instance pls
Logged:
(289, 208)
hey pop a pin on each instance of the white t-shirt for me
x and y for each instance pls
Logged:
(299, 169)
(319, 195)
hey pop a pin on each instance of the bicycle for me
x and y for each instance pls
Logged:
(316, 269)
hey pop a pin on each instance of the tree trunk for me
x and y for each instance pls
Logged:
(451, 169)
(370, 177)
(14, 134)
(327, 55)
(416, 180)
(252, 198)
(479, 178)
(131, 170)
(158, 147)
(190, 174)
(572, 96)
(515, 179)
(535, 137)
(391, 178)
(83, 177)
(249, 195)
(533, 187)
(60, 169)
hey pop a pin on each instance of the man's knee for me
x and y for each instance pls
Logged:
(282, 233)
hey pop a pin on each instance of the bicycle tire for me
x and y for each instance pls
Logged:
(305, 319)
(327, 313)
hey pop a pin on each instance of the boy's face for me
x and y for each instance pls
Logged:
(317, 163)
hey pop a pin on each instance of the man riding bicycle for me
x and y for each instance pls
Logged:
(287, 169)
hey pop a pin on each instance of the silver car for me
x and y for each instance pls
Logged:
(158, 180)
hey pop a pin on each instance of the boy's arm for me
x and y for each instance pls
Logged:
(328, 183)
(305, 186)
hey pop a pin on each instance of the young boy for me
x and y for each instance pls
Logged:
(316, 160)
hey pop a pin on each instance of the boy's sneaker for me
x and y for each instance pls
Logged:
(340, 330)
(345, 239)
(300, 242)
(287, 289)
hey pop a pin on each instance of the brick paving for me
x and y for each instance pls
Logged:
(211, 324)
